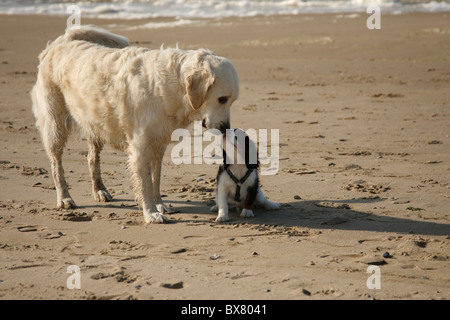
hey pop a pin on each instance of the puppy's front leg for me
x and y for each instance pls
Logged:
(222, 204)
(247, 211)
(140, 166)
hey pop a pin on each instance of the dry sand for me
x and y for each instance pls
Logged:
(364, 126)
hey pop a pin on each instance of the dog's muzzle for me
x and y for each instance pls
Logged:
(223, 126)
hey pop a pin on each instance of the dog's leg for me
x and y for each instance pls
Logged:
(99, 190)
(63, 198)
(54, 124)
(268, 205)
(140, 166)
(156, 161)
(222, 204)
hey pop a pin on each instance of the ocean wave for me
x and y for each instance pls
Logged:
(191, 9)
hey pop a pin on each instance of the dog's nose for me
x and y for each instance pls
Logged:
(204, 123)
(223, 127)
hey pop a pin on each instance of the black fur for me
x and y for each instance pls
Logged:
(252, 191)
(247, 157)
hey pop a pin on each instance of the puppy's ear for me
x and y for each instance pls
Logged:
(226, 160)
(198, 81)
(251, 154)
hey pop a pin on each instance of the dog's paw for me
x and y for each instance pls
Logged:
(269, 205)
(66, 203)
(246, 213)
(102, 196)
(214, 208)
(162, 208)
(155, 217)
(222, 218)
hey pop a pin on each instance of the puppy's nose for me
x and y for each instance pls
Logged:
(204, 123)
(223, 127)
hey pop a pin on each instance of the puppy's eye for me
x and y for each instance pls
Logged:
(223, 100)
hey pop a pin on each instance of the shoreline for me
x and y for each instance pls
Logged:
(248, 9)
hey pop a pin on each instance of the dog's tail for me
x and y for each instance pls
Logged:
(90, 34)
(96, 35)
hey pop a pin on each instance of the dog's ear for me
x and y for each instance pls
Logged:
(198, 81)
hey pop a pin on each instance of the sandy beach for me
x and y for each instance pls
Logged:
(364, 176)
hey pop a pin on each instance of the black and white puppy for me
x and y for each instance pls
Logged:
(237, 180)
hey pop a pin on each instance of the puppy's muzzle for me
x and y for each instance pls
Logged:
(224, 127)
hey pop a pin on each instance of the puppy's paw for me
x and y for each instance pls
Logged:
(214, 208)
(66, 203)
(269, 205)
(246, 213)
(155, 217)
(102, 196)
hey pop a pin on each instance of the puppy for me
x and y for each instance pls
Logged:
(130, 98)
(237, 179)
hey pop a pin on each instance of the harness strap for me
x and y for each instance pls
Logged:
(239, 183)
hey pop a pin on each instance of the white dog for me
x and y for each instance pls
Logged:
(237, 179)
(130, 98)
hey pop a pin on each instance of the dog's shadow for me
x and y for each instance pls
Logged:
(313, 214)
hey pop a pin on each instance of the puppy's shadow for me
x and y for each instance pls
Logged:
(323, 214)
(339, 214)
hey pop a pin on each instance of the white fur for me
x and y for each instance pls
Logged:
(130, 98)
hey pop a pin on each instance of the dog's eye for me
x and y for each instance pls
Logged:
(223, 100)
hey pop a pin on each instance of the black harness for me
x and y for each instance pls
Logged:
(239, 183)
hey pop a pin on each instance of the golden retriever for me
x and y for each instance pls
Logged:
(130, 98)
